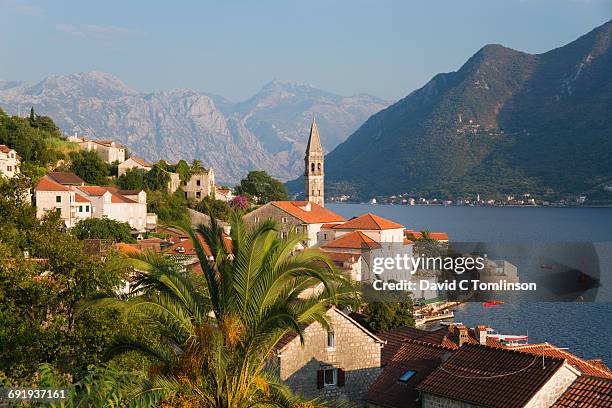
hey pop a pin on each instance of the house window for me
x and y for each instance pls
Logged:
(284, 220)
(407, 376)
(325, 236)
(198, 183)
(58, 210)
(198, 194)
(319, 166)
(255, 220)
(312, 167)
(9, 168)
(86, 208)
(331, 339)
(283, 234)
(58, 199)
(330, 376)
(80, 208)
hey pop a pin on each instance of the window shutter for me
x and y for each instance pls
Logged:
(341, 377)
(320, 379)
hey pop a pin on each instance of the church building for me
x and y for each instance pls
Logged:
(314, 174)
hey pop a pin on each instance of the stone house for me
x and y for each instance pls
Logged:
(119, 205)
(9, 162)
(200, 185)
(482, 376)
(340, 364)
(108, 150)
(304, 217)
(133, 163)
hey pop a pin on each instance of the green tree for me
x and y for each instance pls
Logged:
(218, 345)
(132, 179)
(103, 228)
(184, 171)
(170, 208)
(90, 167)
(258, 183)
(157, 179)
(216, 208)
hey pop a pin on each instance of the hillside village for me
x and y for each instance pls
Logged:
(450, 366)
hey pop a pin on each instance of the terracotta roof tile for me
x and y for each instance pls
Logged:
(95, 191)
(5, 148)
(140, 161)
(80, 199)
(587, 392)
(369, 222)
(47, 184)
(492, 377)
(316, 215)
(353, 240)
(584, 366)
(66, 178)
(413, 355)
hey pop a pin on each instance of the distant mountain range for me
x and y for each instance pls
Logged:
(268, 131)
(505, 122)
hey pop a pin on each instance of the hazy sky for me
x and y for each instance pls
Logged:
(232, 48)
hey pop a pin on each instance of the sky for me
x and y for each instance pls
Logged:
(232, 48)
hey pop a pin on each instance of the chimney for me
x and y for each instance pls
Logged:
(463, 334)
(481, 332)
(306, 207)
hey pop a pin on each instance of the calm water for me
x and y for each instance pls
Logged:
(584, 328)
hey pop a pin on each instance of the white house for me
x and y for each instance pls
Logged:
(70, 204)
(9, 161)
(119, 205)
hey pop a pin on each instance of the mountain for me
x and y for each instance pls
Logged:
(505, 122)
(268, 131)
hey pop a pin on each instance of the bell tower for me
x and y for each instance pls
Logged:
(314, 174)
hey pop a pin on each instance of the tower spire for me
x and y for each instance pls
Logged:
(314, 160)
(314, 141)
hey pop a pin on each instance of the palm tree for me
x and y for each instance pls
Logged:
(214, 349)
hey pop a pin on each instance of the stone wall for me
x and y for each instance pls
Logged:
(285, 221)
(434, 401)
(552, 390)
(356, 352)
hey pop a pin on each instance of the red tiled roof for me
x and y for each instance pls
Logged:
(328, 226)
(396, 337)
(369, 222)
(340, 258)
(65, 177)
(119, 199)
(407, 241)
(440, 236)
(140, 161)
(353, 240)
(80, 199)
(587, 392)
(5, 148)
(551, 350)
(316, 215)
(414, 355)
(128, 248)
(93, 190)
(492, 377)
(47, 184)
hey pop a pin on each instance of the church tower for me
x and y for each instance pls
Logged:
(314, 174)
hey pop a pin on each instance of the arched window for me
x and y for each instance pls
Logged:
(319, 166)
(312, 167)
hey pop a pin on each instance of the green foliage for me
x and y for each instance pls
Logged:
(253, 291)
(31, 138)
(157, 179)
(184, 171)
(215, 208)
(170, 208)
(90, 167)
(263, 186)
(384, 316)
(132, 179)
(38, 293)
(103, 228)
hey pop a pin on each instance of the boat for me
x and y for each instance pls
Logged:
(547, 266)
(492, 303)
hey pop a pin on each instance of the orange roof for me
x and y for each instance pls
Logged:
(46, 184)
(127, 248)
(551, 350)
(316, 215)
(80, 199)
(118, 198)
(140, 161)
(93, 190)
(369, 222)
(5, 148)
(587, 392)
(440, 236)
(353, 240)
(340, 257)
(407, 241)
